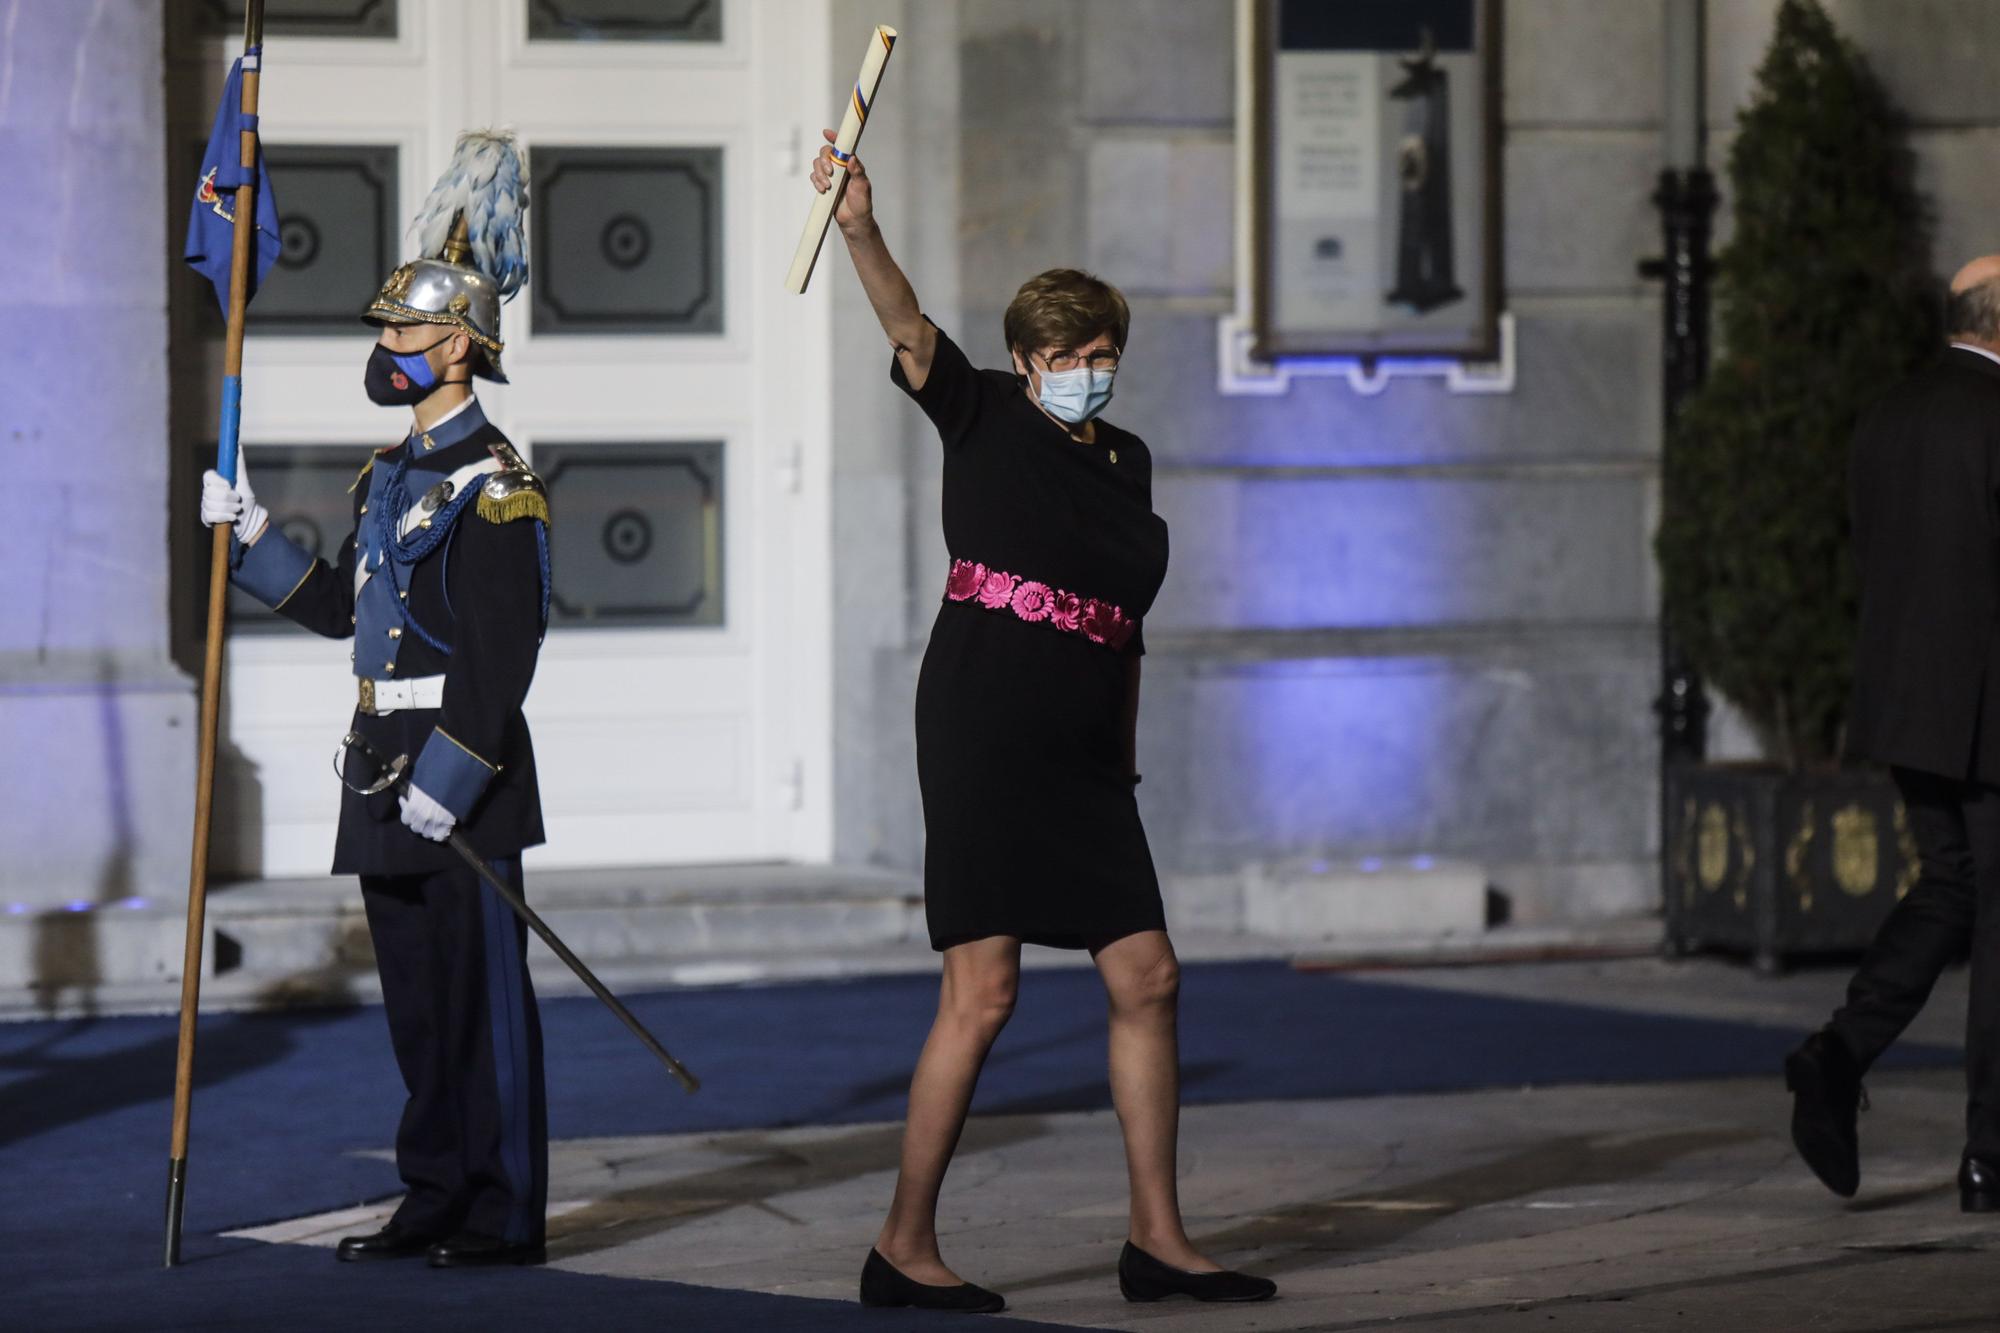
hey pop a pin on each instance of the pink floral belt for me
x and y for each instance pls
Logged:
(1039, 604)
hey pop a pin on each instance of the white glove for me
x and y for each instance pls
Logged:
(424, 816)
(223, 503)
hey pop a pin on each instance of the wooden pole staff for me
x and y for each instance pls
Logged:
(243, 244)
(880, 43)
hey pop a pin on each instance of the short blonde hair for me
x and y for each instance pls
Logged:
(1065, 308)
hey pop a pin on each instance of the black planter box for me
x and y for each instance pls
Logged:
(1776, 864)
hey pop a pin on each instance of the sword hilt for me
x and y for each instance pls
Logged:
(388, 773)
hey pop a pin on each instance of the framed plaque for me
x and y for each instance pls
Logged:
(1375, 180)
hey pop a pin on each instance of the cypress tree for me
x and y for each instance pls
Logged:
(1825, 300)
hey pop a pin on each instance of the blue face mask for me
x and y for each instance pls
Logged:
(1075, 396)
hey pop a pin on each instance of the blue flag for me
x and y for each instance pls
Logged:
(212, 221)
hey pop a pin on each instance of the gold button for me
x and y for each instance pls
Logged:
(404, 595)
(388, 666)
(395, 633)
(364, 509)
(352, 621)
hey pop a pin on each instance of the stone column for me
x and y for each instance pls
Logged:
(96, 723)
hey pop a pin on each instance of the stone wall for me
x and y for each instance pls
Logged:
(96, 724)
(1410, 624)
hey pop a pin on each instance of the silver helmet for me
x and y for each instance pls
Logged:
(470, 232)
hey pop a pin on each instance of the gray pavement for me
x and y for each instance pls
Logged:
(1633, 1208)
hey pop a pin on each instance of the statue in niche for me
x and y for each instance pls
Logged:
(1424, 277)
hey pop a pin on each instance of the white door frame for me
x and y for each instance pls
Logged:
(763, 386)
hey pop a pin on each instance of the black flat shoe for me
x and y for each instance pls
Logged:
(1143, 1278)
(1978, 1186)
(391, 1242)
(883, 1287)
(469, 1249)
(1826, 1101)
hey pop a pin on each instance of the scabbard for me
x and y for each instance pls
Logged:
(512, 897)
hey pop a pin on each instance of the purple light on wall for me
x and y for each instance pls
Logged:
(1331, 757)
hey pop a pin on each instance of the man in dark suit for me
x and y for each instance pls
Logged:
(1925, 474)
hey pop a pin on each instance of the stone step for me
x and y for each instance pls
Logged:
(1325, 903)
(270, 934)
(305, 941)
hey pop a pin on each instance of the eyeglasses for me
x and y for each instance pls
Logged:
(1104, 359)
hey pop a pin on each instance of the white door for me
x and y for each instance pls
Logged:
(669, 389)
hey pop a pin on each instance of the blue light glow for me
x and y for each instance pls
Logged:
(76, 905)
(1370, 864)
(1422, 862)
(1336, 758)
(134, 904)
(16, 909)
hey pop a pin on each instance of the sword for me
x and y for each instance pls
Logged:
(395, 774)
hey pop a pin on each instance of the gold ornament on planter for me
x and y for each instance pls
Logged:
(1857, 851)
(1712, 847)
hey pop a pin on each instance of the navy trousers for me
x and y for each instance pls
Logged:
(473, 1145)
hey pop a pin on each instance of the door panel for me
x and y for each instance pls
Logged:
(675, 739)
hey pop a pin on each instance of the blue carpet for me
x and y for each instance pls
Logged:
(286, 1099)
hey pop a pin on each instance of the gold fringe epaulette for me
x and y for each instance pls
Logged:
(521, 504)
(514, 494)
(366, 468)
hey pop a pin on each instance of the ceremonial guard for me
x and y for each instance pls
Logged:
(444, 589)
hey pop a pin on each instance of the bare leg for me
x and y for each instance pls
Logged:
(1142, 977)
(975, 1001)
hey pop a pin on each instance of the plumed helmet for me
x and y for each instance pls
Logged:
(472, 241)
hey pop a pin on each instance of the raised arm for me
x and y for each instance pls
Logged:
(895, 301)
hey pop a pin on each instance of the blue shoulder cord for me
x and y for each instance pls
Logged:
(422, 541)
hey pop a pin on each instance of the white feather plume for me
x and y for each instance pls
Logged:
(488, 181)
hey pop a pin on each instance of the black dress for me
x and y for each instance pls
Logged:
(1031, 821)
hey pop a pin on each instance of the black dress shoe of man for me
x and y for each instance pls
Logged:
(1826, 1102)
(883, 1287)
(469, 1249)
(1978, 1186)
(1143, 1278)
(391, 1242)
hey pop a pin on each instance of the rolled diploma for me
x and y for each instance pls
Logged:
(879, 45)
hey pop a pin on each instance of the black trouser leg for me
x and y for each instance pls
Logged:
(1982, 1020)
(1926, 932)
(473, 1144)
(497, 1036)
(409, 959)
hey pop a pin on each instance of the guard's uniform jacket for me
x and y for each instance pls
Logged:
(443, 587)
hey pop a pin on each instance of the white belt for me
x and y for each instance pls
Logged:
(389, 696)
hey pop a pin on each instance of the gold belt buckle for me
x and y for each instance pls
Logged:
(368, 696)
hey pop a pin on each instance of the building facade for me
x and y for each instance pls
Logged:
(1409, 624)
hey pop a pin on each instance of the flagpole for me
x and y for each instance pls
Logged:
(242, 246)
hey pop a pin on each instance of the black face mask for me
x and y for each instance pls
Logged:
(400, 379)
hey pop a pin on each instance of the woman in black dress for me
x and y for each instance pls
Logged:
(1026, 708)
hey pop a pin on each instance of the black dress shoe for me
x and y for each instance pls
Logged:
(469, 1249)
(391, 1242)
(1978, 1186)
(1826, 1101)
(1143, 1278)
(883, 1287)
